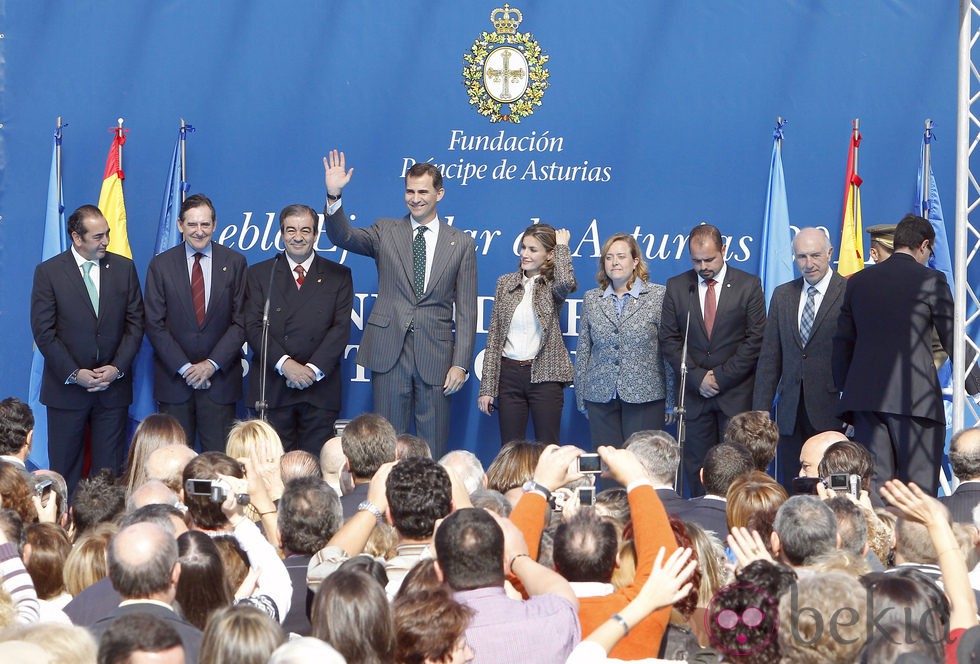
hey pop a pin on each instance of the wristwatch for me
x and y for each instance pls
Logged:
(532, 486)
(331, 197)
(367, 506)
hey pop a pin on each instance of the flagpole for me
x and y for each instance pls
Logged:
(855, 137)
(183, 159)
(779, 137)
(119, 133)
(57, 150)
(926, 169)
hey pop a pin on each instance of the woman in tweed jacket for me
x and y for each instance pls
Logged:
(526, 365)
(620, 374)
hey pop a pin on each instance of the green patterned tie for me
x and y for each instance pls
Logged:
(418, 255)
(93, 294)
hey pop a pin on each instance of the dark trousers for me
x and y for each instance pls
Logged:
(613, 422)
(789, 447)
(909, 448)
(203, 418)
(703, 432)
(517, 396)
(302, 426)
(66, 440)
(404, 399)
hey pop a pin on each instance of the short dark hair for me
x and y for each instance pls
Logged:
(419, 493)
(16, 421)
(851, 525)
(706, 233)
(722, 464)
(135, 632)
(309, 515)
(755, 431)
(470, 550)
(97, 499)
(965, 462)
(848, 457)
(76, 221)
(419, 169)
(368, 441)
(408, 445)
(806, 528)
(206, 514)
(912, 231)
(197, 200)
(585, 548)
(299, 210)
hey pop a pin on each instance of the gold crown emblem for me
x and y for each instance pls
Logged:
(502, 21)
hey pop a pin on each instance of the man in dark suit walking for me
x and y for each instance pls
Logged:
(726, 313)
(798, 340)
(883, 363)
(87, 320)
(964, 457)
(309, 325)
(426, 287)
(195, 294)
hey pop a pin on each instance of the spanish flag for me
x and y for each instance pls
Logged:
(851, 234)
(111, 201)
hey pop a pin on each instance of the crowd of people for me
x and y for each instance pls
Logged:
(374, 552)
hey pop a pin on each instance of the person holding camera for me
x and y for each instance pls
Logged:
(526, 366)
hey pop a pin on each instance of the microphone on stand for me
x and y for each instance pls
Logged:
(680, 408)
(261, 406)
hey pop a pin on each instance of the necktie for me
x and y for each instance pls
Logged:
(806, 321)
(710, 306)
(93, 293)
(197, 288)
(300, 273)
(418, 256)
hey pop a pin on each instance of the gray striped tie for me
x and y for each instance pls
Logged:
(806, 321)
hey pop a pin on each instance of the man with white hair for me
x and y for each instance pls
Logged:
(167, 465)
(467, 468)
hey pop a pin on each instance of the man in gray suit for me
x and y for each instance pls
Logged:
(425, 269)
(795, 349)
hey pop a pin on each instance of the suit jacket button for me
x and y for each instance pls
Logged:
(708, 353)
(804, 356)
(285, 337)
(278, 309)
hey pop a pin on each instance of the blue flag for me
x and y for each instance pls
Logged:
(928, 206)
(168, 236)
(54, 241)
(777, 247)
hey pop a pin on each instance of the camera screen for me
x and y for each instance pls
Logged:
(198, 487)
(589, 463)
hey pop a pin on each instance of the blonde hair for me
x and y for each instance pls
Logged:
(67, 644)
(87, 562)
(639, 272)
(246, 434)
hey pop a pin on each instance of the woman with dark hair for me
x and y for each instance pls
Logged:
(351, 612)
(46, 548)
(621, 380)
(365, 563)
(423, 577)
(156, 431)
(526, 365)
(912, 602)
(512, 467)
(240, 635)
(430, 628)
(203, 587)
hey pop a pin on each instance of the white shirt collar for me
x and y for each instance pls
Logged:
(720, 277)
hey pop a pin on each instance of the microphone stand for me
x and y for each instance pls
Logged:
(681, 410)
(261, 406)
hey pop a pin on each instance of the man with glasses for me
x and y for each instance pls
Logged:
(309, 301)
(194, 320)
(882, 358)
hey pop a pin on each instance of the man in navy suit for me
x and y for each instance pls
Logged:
(309, 325)
(798, 340)
(726, 313)
(883, 360)
(87, 320)
(195, 293)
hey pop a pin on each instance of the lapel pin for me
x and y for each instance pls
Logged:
(728, 285)
(224, 269)
(319, 281)
(453, 243)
